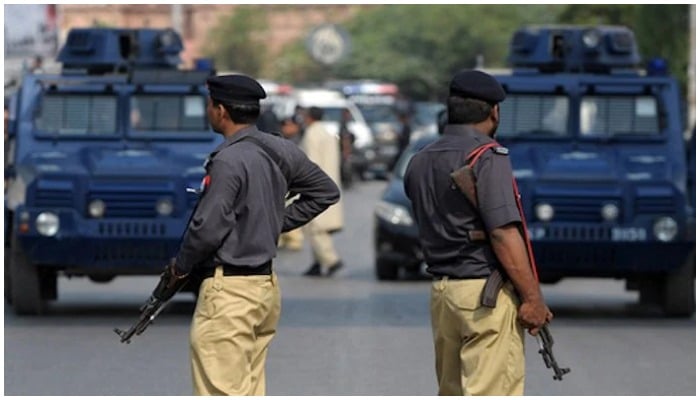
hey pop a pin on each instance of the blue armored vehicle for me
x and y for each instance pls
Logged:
(598, 152)
(100, 160)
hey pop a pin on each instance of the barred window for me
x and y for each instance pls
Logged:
(533, 115)
(166, 112)
(619, 116)
(77, 114)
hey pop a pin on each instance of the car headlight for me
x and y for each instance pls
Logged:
(47, 224)
(610, 212)
(164, 207)
(396, 214)
(544, 212)
(97, 208)
(665, 229)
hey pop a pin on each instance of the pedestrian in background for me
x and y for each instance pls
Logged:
(232, 238)
(294, 239)
(322, 148)
(347, 143)
(268, 121)
(404, 136)
(479, 350)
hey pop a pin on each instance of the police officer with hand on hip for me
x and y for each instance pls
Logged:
(479, 350)
(232, 238)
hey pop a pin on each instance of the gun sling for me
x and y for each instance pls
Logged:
(465, 180)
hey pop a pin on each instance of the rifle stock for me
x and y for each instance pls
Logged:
(466, 182)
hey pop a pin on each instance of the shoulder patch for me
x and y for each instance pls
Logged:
(500, 150)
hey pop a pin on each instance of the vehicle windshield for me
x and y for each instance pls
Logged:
(617, 116)
(533, 115)
(335, 114)
(426, 113)
(62, 114)
(167, 113)
(378, 113)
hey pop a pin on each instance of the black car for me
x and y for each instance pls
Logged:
(396, 245)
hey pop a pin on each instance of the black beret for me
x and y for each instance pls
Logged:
(478, 85)
(240, 89)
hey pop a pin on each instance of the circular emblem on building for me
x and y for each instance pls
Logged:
(328, 44)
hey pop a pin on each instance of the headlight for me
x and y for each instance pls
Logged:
(387, 135)
(665, 229)
(591, 38)
(544, 212)
(397, 215)
(610, 212)
(47, 223)
(164, 207)
(96, 208)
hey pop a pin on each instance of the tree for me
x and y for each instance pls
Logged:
(236, 44)
(420, 47)
(662, 31)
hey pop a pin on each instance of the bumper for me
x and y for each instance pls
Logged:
(135, 245)
(598, 251)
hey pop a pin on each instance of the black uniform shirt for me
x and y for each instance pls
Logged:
(242, 209)
(443, 213)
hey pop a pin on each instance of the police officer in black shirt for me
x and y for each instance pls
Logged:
(232, 239)
(479, 350)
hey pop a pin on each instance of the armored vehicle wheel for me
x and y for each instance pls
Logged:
(386, 271)
(25, 282)
(678, 295)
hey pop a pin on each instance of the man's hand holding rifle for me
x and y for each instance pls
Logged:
(169, 284)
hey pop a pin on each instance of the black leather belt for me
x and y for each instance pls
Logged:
(241, 270)
(439, 277)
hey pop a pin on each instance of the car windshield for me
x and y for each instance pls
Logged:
(533, 115)
(334, 114)
(426, 113)
(378, 113)
(616, 116)
(168, 112)
(71, 114)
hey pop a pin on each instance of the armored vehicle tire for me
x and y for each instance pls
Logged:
(385, 270)
(25, 282)
(678, 296)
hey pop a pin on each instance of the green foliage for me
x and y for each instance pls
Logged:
(236, 44)
(598, 14)
(663, 31)
(419, 47)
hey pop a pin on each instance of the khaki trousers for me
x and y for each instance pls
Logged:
(478, 350)
(233, 324)
(321, 246)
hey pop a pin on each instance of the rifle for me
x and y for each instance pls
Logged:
(166, 289)
(545, 341)
(465, 179)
